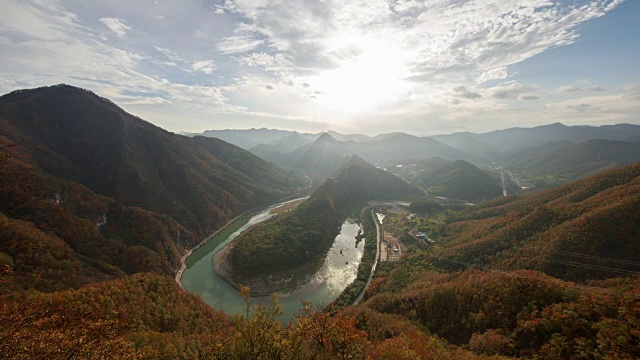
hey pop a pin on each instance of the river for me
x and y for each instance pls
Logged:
(339, 270)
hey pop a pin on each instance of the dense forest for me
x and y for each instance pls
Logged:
(596, 219)
(59, 234)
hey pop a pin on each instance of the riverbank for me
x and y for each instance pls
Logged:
(183, 259)
(337, 271)
(283, 283)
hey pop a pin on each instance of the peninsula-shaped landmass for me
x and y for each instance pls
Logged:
(282, 252)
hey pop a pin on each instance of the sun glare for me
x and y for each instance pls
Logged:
(369, 75)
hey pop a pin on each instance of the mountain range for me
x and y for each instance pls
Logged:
(515, 149)
(515, 139)
(97, 207)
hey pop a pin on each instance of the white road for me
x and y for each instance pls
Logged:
(504, 187)
(375, 262)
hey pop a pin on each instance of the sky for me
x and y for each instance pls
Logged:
(354, 66)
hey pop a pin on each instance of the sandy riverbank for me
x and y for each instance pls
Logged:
(183, 259)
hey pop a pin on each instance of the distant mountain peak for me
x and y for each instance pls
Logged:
(326, 138)
(353, 160)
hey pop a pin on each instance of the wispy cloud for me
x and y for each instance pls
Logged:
(237, 44)
(577, 89)
(205, 66)
(116, 25)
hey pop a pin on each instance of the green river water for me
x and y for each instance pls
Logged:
(339, 270)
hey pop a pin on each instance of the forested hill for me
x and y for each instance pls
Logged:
(546, 276)
(589, 229)
(77, 135)
(575, 161)
(302, 237)
(461, 180)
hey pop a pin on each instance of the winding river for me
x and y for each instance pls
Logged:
(339, 270)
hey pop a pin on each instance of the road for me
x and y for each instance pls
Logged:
(504, 187)
(375, 262)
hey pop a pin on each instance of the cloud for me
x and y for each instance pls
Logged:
(277, 63)
(509, 91)
(171, 55)
(205, 66)
(576, 89)
(116, 25)
(237, 44)
(582, 107)
(493, 74)
(462, 92)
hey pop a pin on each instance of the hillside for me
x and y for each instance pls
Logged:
(460, 180)
(74, 134)
(572, 162)
(518, 314)
(520, 157)
(59, 234)
(268, 254)
(501, 279)
(585, 230)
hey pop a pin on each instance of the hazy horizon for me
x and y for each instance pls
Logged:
(389, 132)
(366, 67)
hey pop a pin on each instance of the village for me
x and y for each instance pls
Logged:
(395, 222)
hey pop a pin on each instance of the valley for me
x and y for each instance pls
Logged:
(468, 245)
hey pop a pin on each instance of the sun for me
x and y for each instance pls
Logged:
(368, 76)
